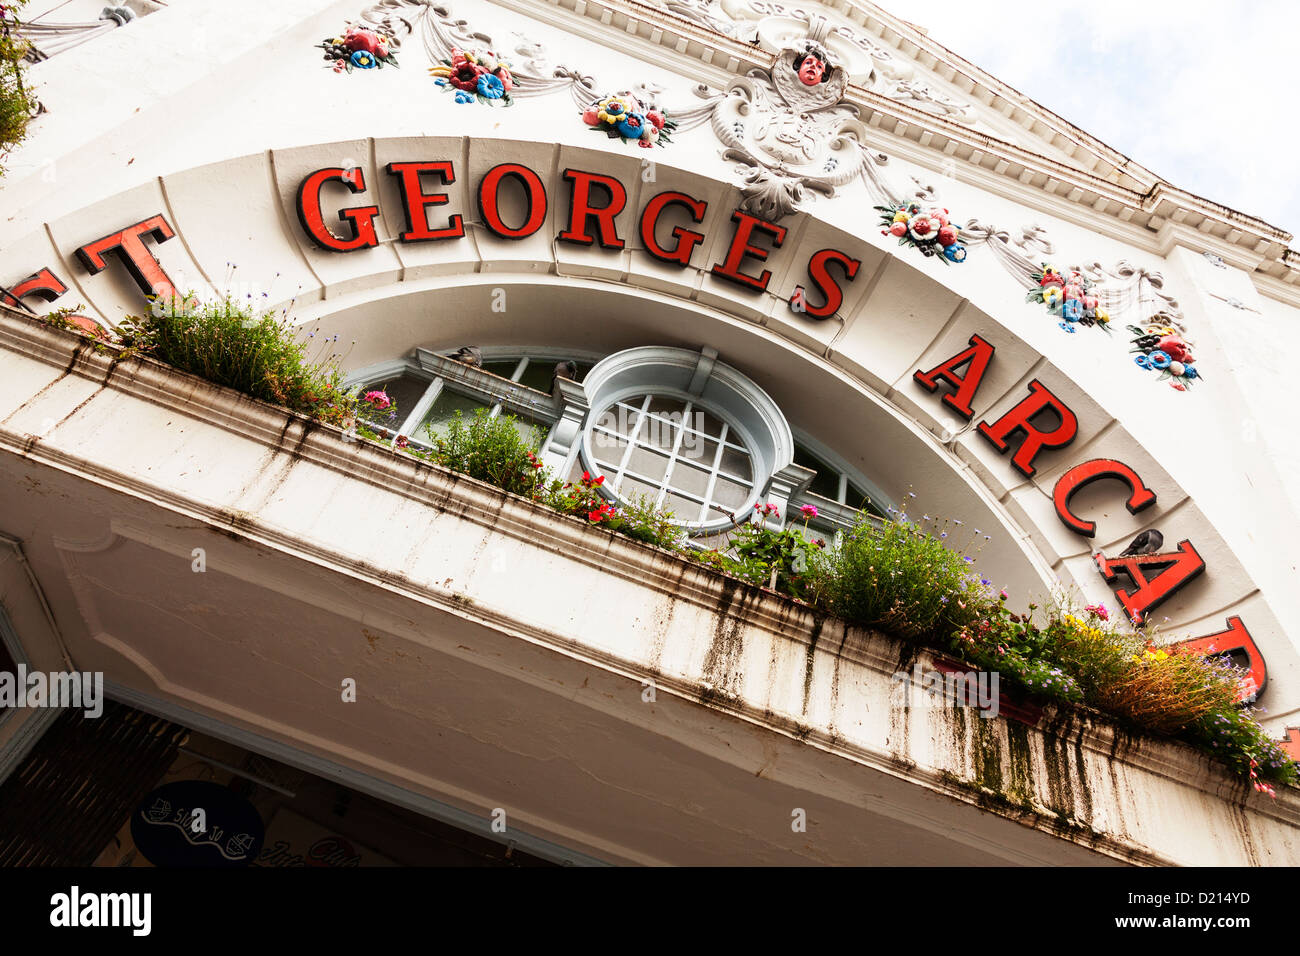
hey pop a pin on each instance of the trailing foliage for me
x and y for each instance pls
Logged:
(17, 105)
(638, 519)
(900, 579)
(228, 343)
(491, 449)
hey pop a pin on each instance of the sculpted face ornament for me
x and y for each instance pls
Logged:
(790, 130)
(812, 69)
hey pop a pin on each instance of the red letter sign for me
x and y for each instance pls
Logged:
(1235, 639)
(581, 209)
(489, 200)
(828, 287)
(686, 239)
(129, 246)
(313, 221)
(1140, 496)
(414, 201)
(1020, 419)
(740, 248)
(44, 285)
(978, 357)
(1173, 570)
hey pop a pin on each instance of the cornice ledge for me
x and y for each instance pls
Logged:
(1243, 239)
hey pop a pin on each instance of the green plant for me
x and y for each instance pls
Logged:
(638, 519)
(492, 449)
(17, 105)
(777, 559)
(258, 354)
(899, 578)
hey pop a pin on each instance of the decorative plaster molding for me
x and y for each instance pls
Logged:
(1105, 190)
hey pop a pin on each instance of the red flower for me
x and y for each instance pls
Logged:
(464, 76)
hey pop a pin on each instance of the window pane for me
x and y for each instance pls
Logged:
(658, 432)
(445, 408)
(608, 447)
(538, 375)
(827, 481)
(406, 390)
(689, 479)
(504, 368)
(648, 464)
(703, 421)
(736, 463)
(857, 498)
(630, 488)
(662, 404)
(697, 450)
(683, 509)
(730, 494)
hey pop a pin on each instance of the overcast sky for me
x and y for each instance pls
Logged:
(1201, 93)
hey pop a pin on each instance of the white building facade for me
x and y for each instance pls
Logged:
(719, 267)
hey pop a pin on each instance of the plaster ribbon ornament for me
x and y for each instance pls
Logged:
(444, 36)
(628, 117)
(999, 243)
(1135, 292)
(775, 25)
(789, 130)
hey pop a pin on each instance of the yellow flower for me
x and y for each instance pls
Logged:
(900, 217)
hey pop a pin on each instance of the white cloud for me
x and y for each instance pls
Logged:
(1197, 92)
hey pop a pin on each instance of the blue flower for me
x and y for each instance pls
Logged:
(631, 126)
(1159, 359)
(491, 86)
(955, 253)
(363, 60)
(1067, 327)
(440, 82)
(1189, 371)
(463, 97)
(1142, 361)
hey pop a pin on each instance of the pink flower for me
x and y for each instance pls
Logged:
(808, 511)
(1098, 610)
(379, 399)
